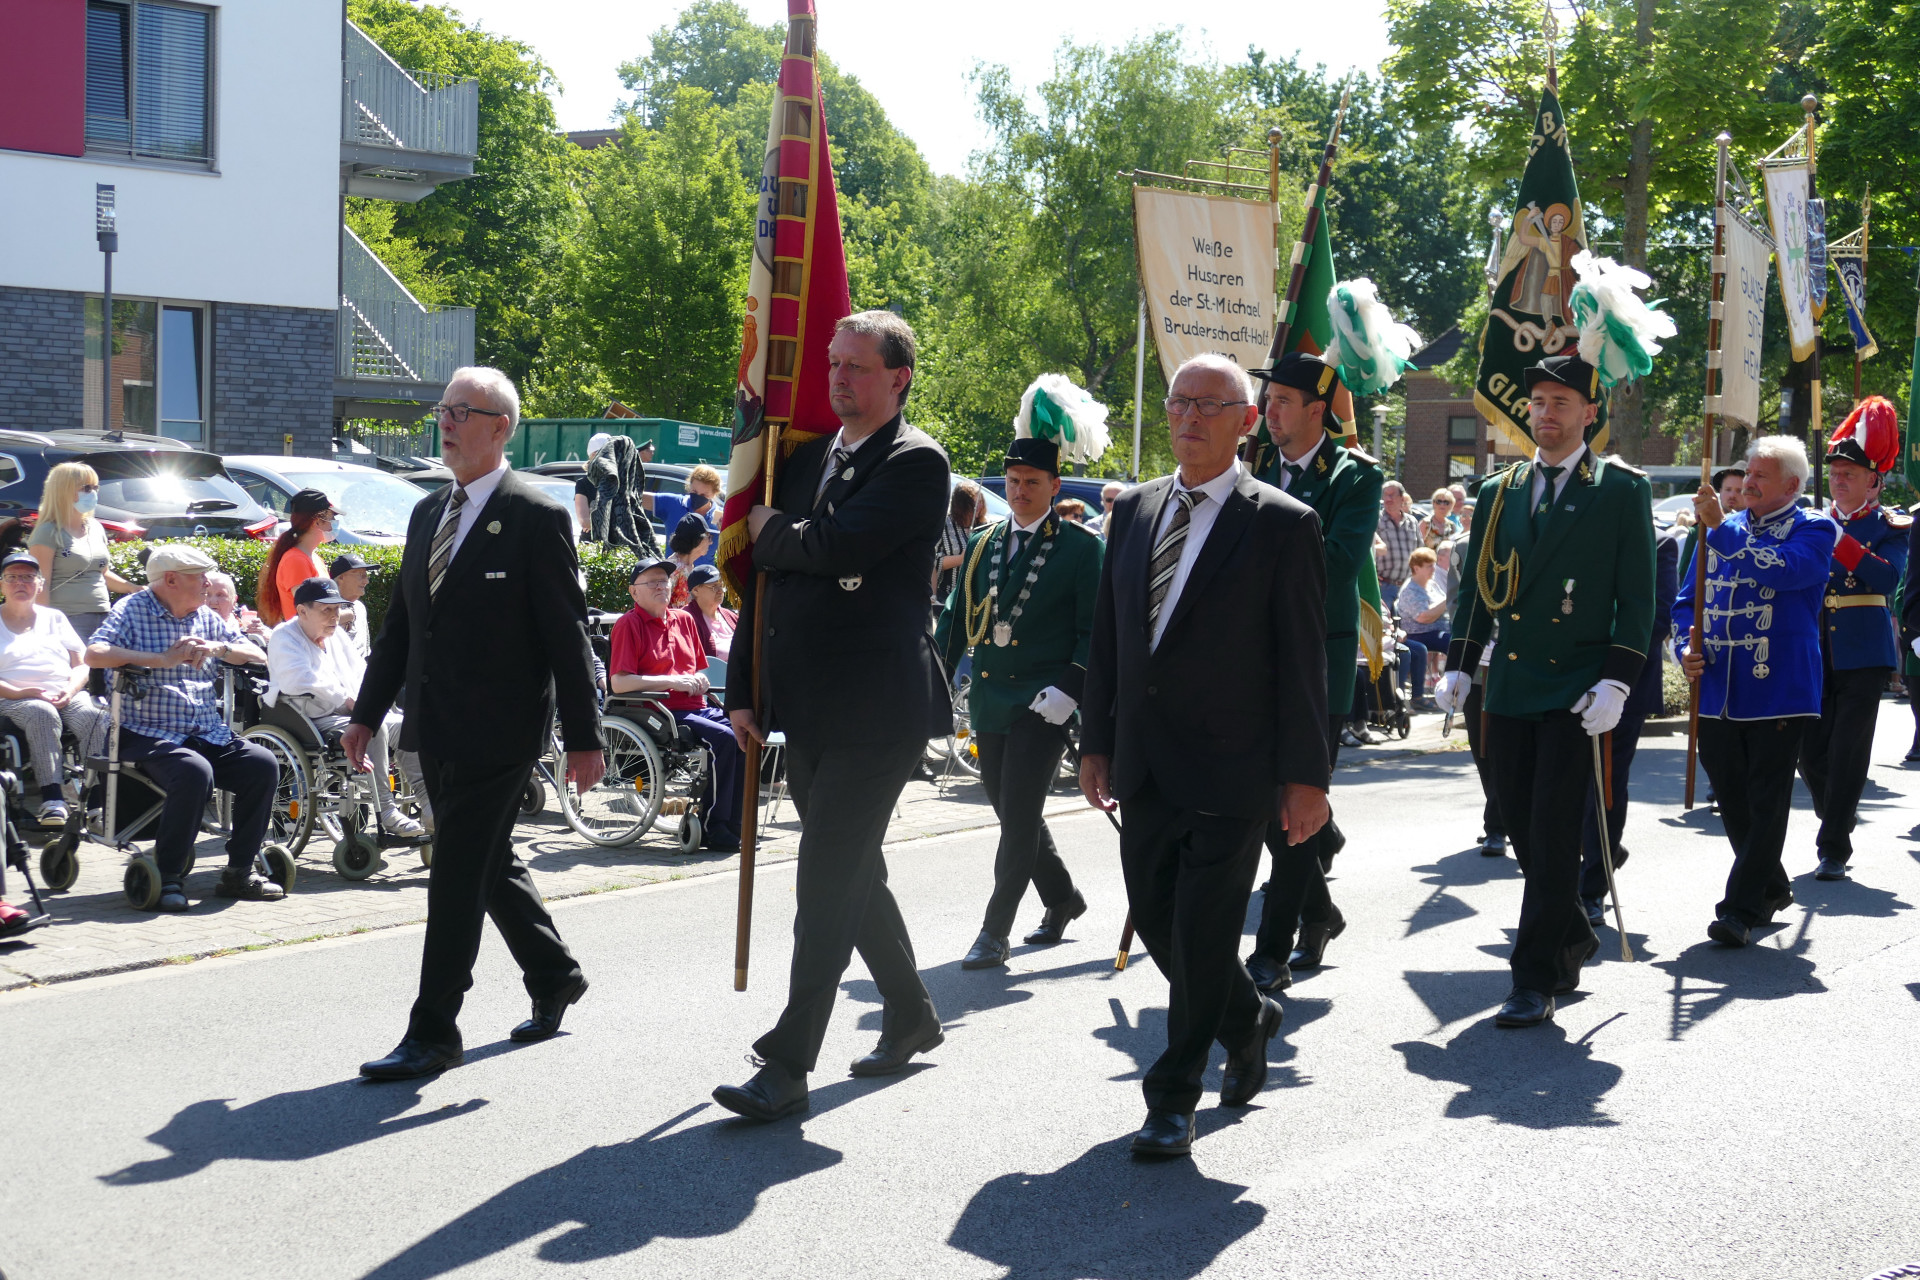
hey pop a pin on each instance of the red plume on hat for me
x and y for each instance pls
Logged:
(1869, 436)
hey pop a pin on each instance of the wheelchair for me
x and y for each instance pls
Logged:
(657, 773)
(129, 804)
(319, 791)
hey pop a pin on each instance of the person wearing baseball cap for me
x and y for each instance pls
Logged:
(310, 516)
(350, 572)
(711, 617)
(177, 732)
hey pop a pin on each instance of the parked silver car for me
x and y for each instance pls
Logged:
(374, 505)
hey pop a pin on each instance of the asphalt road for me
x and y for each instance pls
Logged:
(1698, 1113)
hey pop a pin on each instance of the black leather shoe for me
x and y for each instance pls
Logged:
(1729, 930)
(1312, 947)
(1830, 869)
(988, 952)
(173, 898)
(1493, 846)
(1053, 925)
(1269, 974)
(890, 1055)
(1596, 909)
(547, 1013)
(721, 844)
(412, 1058)
(247, 885)
(1779, 904)
(1524, 1008)
(1571, 982)
(1246, 1073)
(773, 1093)
(1166, 1133)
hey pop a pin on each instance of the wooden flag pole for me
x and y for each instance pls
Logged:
(1716, 311)
(1816, 429)
(1290, 304)
(750, 790)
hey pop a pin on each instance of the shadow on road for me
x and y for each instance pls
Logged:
(1145, 1039)
(297, 1125)
(1108, 1216)
(1531, 1077)
(685, 1184)
(1466, 869)
(958, 992)
(1708, 977)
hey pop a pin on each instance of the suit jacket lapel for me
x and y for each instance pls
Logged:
(800, 479)
(1578, 495)
(1139, 553)
(1221, 540)
(1516, 517)
(865, 460)
(467, 556)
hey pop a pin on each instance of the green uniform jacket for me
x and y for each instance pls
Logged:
(1556, 641)
(1343, 487)
(1051, 637)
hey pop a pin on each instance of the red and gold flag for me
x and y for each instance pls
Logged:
(796, 293)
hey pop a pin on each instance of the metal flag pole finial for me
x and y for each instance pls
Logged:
(1550, 29)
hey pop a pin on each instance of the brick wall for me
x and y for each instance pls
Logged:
(42, 359)
(272, 375)
(1430, 403)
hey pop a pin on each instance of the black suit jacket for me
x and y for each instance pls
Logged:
(848, 656)
(481, 661)
(1233, 704)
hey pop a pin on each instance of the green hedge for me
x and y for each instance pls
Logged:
(608, 569)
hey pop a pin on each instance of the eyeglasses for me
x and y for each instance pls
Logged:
(655, 584)
(459, 412)
(1207, 406)
(20, 579)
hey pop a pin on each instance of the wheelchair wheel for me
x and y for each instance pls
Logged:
(426, 854)
(690, 833)
(290, 822)
(623, 806)
(281, 868)
(534, 799)
(142, 883)
(60, 864)
(966, 752)
(357, 856)
(1402, 723)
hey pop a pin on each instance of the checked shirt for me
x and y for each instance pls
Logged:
(179, 702)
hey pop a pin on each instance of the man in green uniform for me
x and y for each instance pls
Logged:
(1562, 559)
(1342, 486)
(1023, 608)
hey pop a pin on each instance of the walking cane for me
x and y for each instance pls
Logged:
(1126, 932)
(1603, 780)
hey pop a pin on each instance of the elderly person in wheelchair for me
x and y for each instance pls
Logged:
(174, 729)
(43, 682)
(313, 664)
(657, 652)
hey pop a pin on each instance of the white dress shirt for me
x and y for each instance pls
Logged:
(1559, 482)
(1028, 529)
(1286, 481)
(477, 494)
(1199, 525)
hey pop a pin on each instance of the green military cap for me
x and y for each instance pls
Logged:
(1567, 370)
(1303, 372)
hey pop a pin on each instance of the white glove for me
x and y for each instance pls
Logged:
(1052, 705)
(1916, 646)
(1602, 706)
(1450, 694)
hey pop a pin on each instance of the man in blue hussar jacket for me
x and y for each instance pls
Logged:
(1758, 667)
(1859, 644)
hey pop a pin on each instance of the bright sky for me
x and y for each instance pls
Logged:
(916, 59)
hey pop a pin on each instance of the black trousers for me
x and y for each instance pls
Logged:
(1490, 821)
(845, 796)
(1017, 769)
(1836, 751)
(188, 773)
(1542, 770)
(1593, 875)
(1750, 763)
(1189, 875)
(476, 875)
(1297, 892)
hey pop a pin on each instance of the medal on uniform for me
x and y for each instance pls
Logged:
(1002, 634)
(1566, 604)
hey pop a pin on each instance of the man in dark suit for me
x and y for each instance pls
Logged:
(1205, 720)
(848, 673)
(487, 625)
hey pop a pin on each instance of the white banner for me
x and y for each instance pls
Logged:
(1741, 322)
(1207, 268)
(1787, 211)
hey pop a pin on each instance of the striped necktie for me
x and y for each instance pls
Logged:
(1166, 556)
(442, 553)
(836, 463)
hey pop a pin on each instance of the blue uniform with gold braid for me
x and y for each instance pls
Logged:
(1859, 648)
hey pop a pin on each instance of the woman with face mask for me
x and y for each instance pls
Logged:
(71, 547)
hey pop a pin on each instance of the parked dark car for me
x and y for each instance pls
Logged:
(150, 487)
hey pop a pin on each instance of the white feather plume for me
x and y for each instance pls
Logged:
(1619, 331)
(1370, 348)
(1084, 437)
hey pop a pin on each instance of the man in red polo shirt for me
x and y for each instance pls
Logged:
(657, 650)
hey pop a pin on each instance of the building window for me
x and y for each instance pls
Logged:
(149, 80)
(159, 378)
(1463, 430)
(1461, 466)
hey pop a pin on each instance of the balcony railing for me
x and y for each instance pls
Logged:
(385, 105)
(386, 334)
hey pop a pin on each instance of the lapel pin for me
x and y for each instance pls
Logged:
(493, 526)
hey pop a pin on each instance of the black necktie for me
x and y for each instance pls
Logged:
(1294, 472)
(1020, 537)
(1546, 498)
(836, 463)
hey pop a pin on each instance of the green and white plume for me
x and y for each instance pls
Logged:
(1370, 348)
(1619, 332)
(1055, 409)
